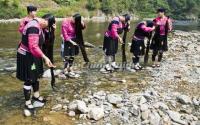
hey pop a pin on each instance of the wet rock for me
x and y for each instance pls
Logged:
(176, 117)
(184, 99)
(72, 114)
(114, 98)
(96, 113)
(57, 107)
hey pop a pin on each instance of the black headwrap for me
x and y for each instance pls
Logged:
(31, 8)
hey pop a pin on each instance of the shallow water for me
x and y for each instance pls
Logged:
(11, 98)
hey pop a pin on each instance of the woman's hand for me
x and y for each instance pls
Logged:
(120, 40)
(54, 26)
(48, 62)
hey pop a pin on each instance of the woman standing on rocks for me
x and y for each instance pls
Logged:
(32, 11)
(71, 27)
(142, 30)
(29, 63)
(111, 39)
(159, 44)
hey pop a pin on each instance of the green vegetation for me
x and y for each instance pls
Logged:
(179, 9)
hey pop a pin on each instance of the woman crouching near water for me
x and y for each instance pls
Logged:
(71, 28)
(29, 63)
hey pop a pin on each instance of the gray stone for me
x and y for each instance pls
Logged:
(57, 107)
(96, 113)
(176, 117)
(161, 105)
(145, 115)
(198, 123)
(142, 100)
(154, 118)
(134, 110)
(73, 106)
(82, 106)
(184, 99)
(196, 101)
(114, 98)
(144, 107)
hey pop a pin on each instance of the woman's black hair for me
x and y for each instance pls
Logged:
(50, 35)
(162, 10)
(31, 8)
(149, 23)
(78, 26)
(50, 18)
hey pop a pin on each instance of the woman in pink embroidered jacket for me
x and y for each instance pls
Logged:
(159, 44)
(111, 39)
(142, 30)
(32, 11)
(29, 63)
(71, 49)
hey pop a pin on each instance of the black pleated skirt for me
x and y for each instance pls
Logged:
(110, 46)
(159, 43)
(137, 47)
(29, 68)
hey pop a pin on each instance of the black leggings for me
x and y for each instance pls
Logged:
(159, 53)
(27, 88)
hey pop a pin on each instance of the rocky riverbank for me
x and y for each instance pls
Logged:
(172, 96)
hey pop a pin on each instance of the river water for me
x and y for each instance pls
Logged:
(11, 96)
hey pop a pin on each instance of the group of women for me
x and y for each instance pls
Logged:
(38, 37)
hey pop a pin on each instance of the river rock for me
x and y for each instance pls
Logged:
(145, 115)
(73, 106)
(57, 107)
(154, 118)
(176, 117)
(161, 106)
(114, 98)
(72, 114)
(196, 101)
(96, 113)
(82, 106)
(144, 107)
(184, 99)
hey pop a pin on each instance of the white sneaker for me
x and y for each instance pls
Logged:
(73, 75)
(139, 66)
(114, 65)
(108, 67)
(38, 102)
